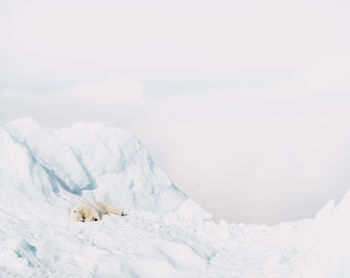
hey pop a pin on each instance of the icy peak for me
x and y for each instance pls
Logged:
(87, 160)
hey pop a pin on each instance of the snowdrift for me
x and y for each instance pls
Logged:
(44, 172)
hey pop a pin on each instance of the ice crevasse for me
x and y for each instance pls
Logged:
(44, 172)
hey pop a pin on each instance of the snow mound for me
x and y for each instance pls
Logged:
(192, 211)
(45, 172)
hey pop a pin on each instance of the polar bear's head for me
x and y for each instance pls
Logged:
(77, 215)
(84, 212)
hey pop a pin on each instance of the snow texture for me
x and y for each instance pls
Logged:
(45, 172)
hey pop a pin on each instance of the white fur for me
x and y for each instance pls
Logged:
(93, 211)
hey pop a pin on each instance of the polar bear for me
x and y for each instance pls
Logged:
(93, 211)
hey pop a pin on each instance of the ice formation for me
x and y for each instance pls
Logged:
(45, 172)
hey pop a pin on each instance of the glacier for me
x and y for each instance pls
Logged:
(44, 172)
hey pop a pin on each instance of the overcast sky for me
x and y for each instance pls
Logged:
(245, 104)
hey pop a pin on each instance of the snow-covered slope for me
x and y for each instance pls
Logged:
(44, 172)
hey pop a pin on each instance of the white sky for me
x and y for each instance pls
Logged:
(243, 103)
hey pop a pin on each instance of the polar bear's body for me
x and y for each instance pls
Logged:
(93, 211)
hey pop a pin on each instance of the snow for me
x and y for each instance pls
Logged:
(45, 172)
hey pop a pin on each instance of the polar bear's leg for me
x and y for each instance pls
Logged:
(112, 209)
(93, 215)
(90, 214)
